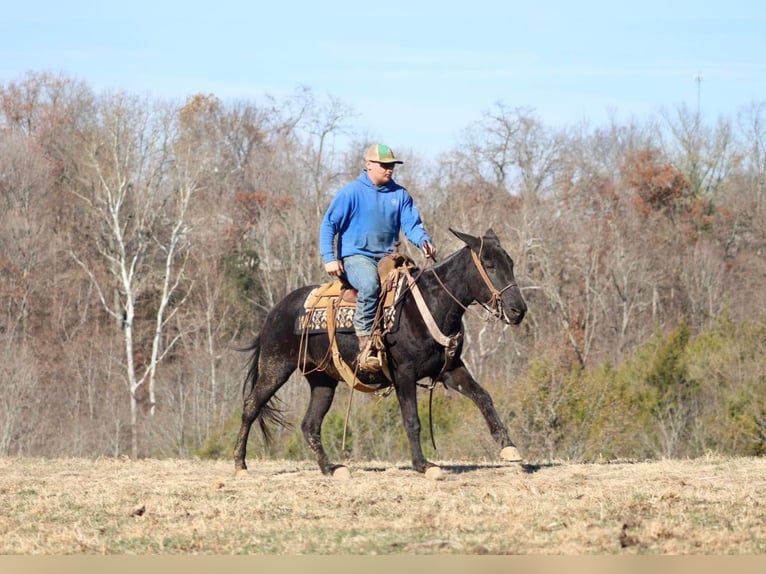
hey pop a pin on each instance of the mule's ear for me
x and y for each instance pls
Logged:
(469, 240)
(491, 234)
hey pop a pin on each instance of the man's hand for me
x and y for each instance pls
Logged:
(428, 250)
(334, 268)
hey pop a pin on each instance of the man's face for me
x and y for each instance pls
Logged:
(380, 173)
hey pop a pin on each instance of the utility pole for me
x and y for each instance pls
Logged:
(698, 79)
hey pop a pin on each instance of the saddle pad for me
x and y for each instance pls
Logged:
(313, 317)
(314, 320)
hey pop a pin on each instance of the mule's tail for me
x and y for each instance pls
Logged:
(269, 412)
(252, 371)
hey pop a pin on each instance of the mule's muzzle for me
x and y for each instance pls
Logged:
(514, 309)
(514, 316)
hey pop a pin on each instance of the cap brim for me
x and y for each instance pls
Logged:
(381, 161)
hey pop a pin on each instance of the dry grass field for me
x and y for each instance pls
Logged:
(163, 507)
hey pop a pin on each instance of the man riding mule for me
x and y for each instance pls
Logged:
(424, 342)
(359, 228)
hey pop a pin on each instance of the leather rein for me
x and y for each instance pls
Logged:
(495, 303)
(452, 342)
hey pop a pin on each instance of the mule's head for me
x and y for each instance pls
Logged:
(495, 287)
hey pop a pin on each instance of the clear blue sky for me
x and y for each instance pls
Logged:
(416, 72)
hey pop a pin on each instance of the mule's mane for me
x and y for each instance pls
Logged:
(450, 257)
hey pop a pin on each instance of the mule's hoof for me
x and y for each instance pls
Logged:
(342, 473)
(434, 473)
(511, 454)
(240, 473)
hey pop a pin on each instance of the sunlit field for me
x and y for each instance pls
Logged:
(109, 506)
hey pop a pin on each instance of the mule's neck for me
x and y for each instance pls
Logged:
(449, 288)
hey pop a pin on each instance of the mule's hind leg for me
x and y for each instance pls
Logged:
(266, 376)
(322, 395)
(255, 402)
(249, 414)
(460, 380)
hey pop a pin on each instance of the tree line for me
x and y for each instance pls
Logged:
(143, 241)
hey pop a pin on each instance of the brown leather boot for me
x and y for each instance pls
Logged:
(368, 359)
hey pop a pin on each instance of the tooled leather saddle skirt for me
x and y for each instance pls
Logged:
(337, 298)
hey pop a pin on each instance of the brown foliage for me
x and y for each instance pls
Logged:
(657, 186)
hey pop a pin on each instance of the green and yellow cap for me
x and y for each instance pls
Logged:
(381, 154)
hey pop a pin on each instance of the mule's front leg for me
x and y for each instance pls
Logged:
(460, 380)
(407, 395)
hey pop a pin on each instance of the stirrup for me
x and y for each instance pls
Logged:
(369, 360)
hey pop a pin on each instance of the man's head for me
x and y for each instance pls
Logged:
(380, 161)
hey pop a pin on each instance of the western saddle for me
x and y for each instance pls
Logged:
(335, 302)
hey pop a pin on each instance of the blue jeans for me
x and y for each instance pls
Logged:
(362, 274)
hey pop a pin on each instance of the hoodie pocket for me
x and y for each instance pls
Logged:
(379, 242)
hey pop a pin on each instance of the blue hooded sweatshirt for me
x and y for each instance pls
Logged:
(367, 220)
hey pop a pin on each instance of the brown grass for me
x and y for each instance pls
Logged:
(106, 506)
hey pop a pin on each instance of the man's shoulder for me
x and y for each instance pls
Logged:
(353, 186)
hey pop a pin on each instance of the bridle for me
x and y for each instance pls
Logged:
(495, 304)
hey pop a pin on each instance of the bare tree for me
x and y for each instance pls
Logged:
(702, 153)
(138, 194)
(703, 275)
(19, 397)
(752, 125)
(325, 123)
(24, 236)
